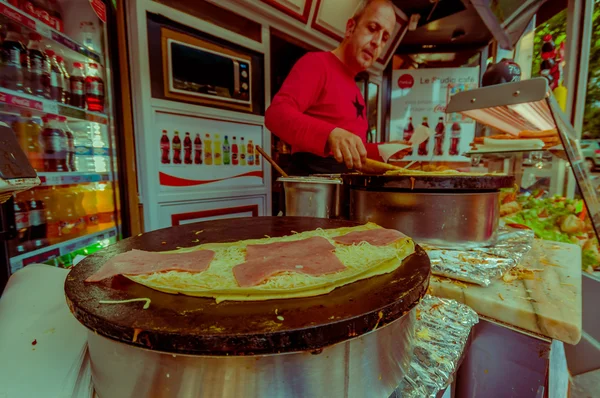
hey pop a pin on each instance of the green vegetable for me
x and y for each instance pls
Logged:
(589, 258)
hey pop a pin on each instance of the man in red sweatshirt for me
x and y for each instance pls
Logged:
(320, 110)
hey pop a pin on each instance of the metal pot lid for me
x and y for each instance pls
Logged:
(429, 182)
(200, 326)
(312, 179)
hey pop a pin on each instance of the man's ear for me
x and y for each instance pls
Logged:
(350, 26)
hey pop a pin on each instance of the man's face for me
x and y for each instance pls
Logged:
(368, 36)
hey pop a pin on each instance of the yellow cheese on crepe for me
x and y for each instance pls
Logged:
(362, 261)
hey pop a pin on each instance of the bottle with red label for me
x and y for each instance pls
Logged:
(12, 55)
(56, 78)
(39, 77)
(197, 150)
(66, 80)
(423, 146)
(77, 86)
(54, 144)
(440, 130)
(455, 139)
(409, 130)
(234, 152)
(187, 149)
(176, 148)
(37, 218)
(94, 89)
(165, 147)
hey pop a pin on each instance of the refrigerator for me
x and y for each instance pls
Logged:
(56, 94)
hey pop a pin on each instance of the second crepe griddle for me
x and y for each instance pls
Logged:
(193, 325)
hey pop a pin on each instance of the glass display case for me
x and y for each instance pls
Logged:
(556, 196)
(55, 94)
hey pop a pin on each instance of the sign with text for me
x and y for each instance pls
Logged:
(419, 98)
(196, 153)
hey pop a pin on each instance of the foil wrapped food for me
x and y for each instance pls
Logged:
(442, 331)
(482, 265)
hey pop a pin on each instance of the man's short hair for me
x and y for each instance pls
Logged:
(360, 10)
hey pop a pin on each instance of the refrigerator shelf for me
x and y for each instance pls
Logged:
(47, 253)
(73, 177)
(14, 101)
(71, 48)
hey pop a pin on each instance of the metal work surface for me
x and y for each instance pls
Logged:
(371, 365)
(191, 325)
(446, 220)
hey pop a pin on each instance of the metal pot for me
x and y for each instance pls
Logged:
(443, 219)
(371, 365)
(315, 196)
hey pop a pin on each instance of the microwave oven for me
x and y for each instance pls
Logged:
(199, 71)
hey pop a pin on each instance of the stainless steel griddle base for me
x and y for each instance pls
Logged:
(371, 365)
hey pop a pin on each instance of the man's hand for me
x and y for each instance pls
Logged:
(347, 147)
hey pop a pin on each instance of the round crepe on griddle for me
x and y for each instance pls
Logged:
(359, 260)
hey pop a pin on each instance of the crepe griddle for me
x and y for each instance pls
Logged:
(427, 183)
(200, 326)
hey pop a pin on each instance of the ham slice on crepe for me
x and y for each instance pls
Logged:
(375, 237)
(139, 262)
(312, 256)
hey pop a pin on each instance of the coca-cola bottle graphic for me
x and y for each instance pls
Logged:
(455, 139)
(234, 153)
(408, 132)
(187, 149)
(423, 150)
(197, 150)
(440, 130)
(165, 147)
(176, 148)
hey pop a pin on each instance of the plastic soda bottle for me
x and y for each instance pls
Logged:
(176, 148)
(70, 144)
(242, 152)
(408, 132)
(226, 151)
(106, 203)
(52, 211)
(197, 150)
(94, 89)
(250, 153)
(33, 149)
(90, 206)
(208, 156)
(187, 149)
(423, 146)
(165, 148)
(234, 153)
(440, 129)
(217, 151)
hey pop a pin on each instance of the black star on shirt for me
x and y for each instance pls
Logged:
(359, 108)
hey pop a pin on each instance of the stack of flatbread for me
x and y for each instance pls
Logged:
(525, 140)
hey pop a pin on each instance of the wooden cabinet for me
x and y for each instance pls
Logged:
(297, 9)
(330, 17)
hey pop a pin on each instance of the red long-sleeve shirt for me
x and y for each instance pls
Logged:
(318, 95)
